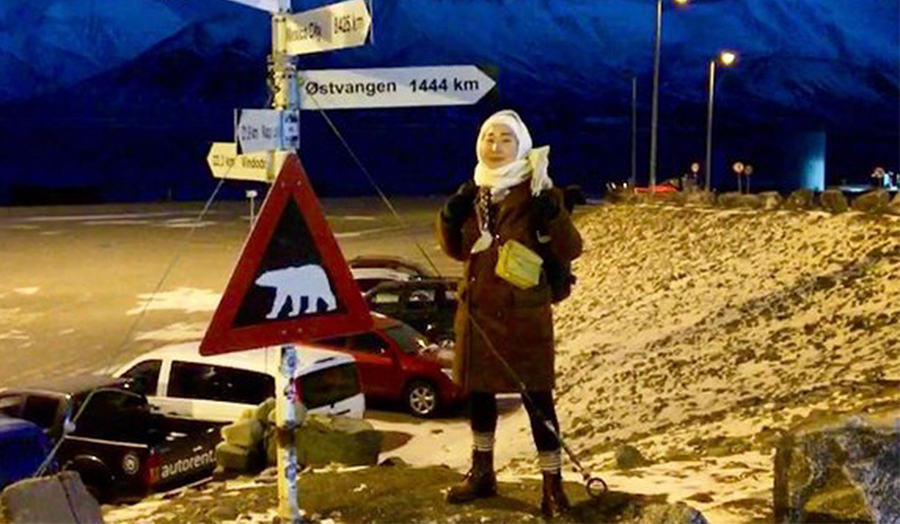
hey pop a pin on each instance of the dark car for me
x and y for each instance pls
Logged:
(23, 447)
(371, 270)
(427, 305)
(111, 437)
(397, 364)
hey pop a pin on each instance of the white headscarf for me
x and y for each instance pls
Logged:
(529, 162)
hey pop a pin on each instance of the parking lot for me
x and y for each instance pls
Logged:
(75, 282)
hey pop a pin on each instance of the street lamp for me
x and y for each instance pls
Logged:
(726, 58)
(654, 117)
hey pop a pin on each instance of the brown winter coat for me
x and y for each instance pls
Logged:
(518, 323)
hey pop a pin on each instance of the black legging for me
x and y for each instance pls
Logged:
(484, 416)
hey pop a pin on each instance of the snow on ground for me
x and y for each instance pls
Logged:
(694, 333)
(189, 300)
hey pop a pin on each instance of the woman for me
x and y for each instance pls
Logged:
(504, 332)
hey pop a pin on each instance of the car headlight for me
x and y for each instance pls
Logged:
(448, 372)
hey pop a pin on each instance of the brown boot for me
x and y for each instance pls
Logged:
(554, 500)
(478, 483)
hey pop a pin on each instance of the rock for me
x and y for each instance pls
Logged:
(872, 202)
(678, 513)
(751, 201)
(839, 473)
(729, 200)
(700, 198)
(894, 207)
(262, 412)
(237, 458)
(833, 200)
(394, 461)
(771, 200)
(246, 433)
(60, 499)
(629, 457)
(799, 200)
(223, 510)
(323, 439)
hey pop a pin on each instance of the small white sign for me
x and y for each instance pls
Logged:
(225, 162)
(266, 130)
(335, 26)
(266, 5)
(393, 87)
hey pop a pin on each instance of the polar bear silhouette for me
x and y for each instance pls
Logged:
(295, 283)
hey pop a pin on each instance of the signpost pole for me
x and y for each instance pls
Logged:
(288, 403)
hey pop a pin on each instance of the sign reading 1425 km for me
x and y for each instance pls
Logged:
(393, 87)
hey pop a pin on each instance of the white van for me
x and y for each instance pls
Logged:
(183, 383)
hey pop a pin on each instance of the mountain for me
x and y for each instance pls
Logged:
(99, 73)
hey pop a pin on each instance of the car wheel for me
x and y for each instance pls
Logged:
(421, 399)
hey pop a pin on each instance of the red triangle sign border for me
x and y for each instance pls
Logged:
(222, 336)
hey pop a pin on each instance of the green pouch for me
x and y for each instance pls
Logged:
(518, 265)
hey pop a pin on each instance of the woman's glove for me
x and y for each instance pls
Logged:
(545, 207)
(458, 206)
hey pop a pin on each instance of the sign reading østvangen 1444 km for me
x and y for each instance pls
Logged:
(393, 87)
(335, 26)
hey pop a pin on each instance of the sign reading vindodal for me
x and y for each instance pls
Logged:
(225, 162)
(335, 26)
(393, 87)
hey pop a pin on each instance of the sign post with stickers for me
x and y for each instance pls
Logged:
(291, 282)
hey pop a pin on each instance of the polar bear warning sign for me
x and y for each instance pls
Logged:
(291, 282)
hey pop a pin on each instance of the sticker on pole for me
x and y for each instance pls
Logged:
(291, 282)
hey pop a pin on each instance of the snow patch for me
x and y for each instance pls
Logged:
(179, 331)
(189, 300)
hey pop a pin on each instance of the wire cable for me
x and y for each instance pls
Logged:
(403, 224)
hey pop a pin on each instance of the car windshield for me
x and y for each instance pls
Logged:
(408, 339)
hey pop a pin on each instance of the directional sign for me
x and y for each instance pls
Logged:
(335, 26)
(225, 162)
(266, 5)
(393, 87)
(266, 130)
(291, 282)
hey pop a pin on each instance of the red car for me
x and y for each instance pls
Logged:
(396, 363)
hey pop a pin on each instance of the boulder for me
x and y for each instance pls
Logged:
(246, 433)
(731, 199)
(700, 198)
(846, 472)
(324, 439)
(678, 513)
(629, 457)
(894, 206)
(60, 499)
(799, 200)
(771, 200)
(833, 200)
(872, 202)
(231, 457)
(751, 201)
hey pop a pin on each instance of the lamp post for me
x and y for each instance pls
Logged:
(654, 111)
(726, 58)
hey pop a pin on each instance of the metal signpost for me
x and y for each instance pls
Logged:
(263, 146)
(263, 137)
